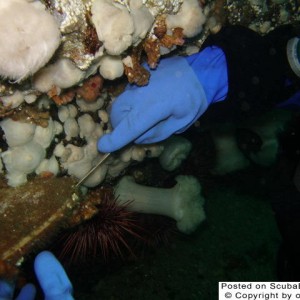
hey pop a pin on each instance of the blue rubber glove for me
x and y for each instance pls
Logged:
(51, 276)
(178, 93)
(28, 292)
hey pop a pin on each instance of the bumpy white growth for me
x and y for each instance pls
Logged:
(66, 111)
(15, 179)
(268, 127)
(81, 160)
(113, 24)
(29, 36)
(63, 113)
(17, 133)
(176, 149)
(111, 67)
(75, 153)
(22, 160)
(191, 49)
(48, 165)
(27, 149)
(103, 115)
(142, 20)
(44, 136)
(132, 153)
(86, 125)
(71, 128)
(77, 161)
(63, 74)
(58, 128)
(138, 153)
(125, 154)
(79, 167)
(190, 18)
(117, 166)
(13, 100)
(44, 103)
(183, 202)
(96, 177)
(98, 132)
(72, 110)
(154, 150)
(91, 151)
(229, 158)
(62, 152)
(30, 98)
(90, 106)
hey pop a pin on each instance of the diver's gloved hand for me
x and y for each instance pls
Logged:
(178, 93)
(51, 276)
(7, 291)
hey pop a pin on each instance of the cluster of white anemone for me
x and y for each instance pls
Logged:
(31, 37)
(29, 143)
(27, 149)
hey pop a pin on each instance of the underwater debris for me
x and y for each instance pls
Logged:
(31, 214)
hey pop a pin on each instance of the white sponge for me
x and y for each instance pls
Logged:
(29, 36)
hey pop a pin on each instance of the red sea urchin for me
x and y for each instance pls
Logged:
(107, 233)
